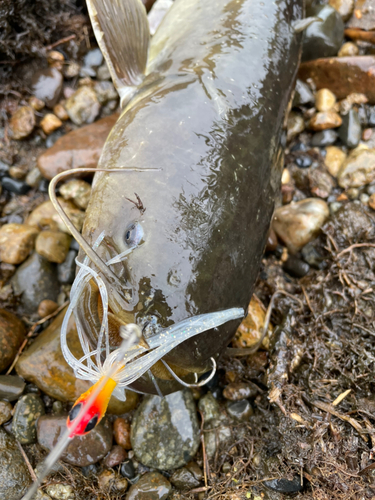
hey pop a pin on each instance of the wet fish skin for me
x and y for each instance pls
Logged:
(209, 116)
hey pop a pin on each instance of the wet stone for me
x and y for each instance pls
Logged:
(240, 390)
(5, 411)
(50, 123)
(240, 410)
(53, 245)
(324, 138)
(323, 39)
(303, 161)
(67, 270)
(151, 486)
(334, 160)
(78, 191)
(296, 224)
(358, 169)
(209, 407)
(295, 267)
(45, 216)
(251, 328)
(183, 479)
(60, 112)
(325, 120)
(321, 183)
(34, 281)
(312, 256)
(343, 7)
(12, 333)
(121, 432)
(60, 491)
(15, 185)
(36, 103)
(11, 387)
(22, 122)
(46, 85)
(27, 411)
(350, 131)
(16, 242)
(285, 486)
(115, 456)
(82, 450)
(171, 437)
(83, 106)
(303, 94)
(295, 125)
(14, 475)
(127, 469)
(47, 307)
(348, 49)
(324, 100)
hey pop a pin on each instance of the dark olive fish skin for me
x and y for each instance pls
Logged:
(209, 116)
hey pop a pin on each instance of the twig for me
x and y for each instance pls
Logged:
(59, 42)
(341, 397)
(31, 470)
(356, 245)
(206, 466)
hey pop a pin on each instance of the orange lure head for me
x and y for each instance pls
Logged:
(94, 412)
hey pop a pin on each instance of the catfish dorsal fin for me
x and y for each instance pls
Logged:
(122, 32)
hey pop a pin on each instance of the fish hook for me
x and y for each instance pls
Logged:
(197, 384)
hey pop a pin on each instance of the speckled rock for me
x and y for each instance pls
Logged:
(209, 407)
(12, 333)
(121, 432)
(187, 478)
(250, 330)
(325, 120)
(348, 49)
(363, 16)
(216, 431)
(240, 390)
(82, 450)
(50, 123)
(350, 131)
(297, 223)
(16, 242)
(27, 411)
(334, 159)
(358, 169)
(151, 486)
(343, 7)
(46, 85)
(5, 411)
(34, 281)
(78, 191)
(79, 148)
(83, 106)
(22, 122)
(53, 245)
(60, 491)
(45, 216)
(44, 365)
(11, 387)
(14, 475)
(171, 437)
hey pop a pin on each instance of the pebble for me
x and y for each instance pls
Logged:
(60, 491)
(303, 161)
(343, 7)
(79, 148)
(295, 267)
(105, 91)
(151, 486)
(115, 456)
(44, 365)
(321, 183)
(81, 450)
(297, 223)
(103, 73)
(364, 198)
(324, 138)
(12, 333)
(45, 216)
(348, 49)
(250, 330)
(55, 59)
(312, 256)
(46, 84)
(272, 239)
(295, 125)
(14, 474)
(6, 410)
(16, 242)
(71, 70)
(371, 201)
(121, 432)
(240, 410)
(11, 387)
(324, 100)
(34, 281)
(67, 270)
(110, 480)
(34, 177)
(358, 169)
(302, 94)
(53, 245)
(171, 437)
(363, 16)
(323, 39)
(240, 390)
(325, 120)
(184, 479)
(36, 103)
(22, 122)
(47, 307)
(367, 134)
(27, 411)
(50, 123)
(350, 131)
(342, 75)
(285, 486)
(92, 60)
(334, 160)
(127, 469)
(15, 185)
(78, 191)
(209, 407)
(83, 106)
(60, 112)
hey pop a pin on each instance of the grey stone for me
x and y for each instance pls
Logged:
(170, 438)
(11, 387)
(240, 410)
(209, 407)
(324, 138)
(46, 85)
(27, 411)
(303, 94)
(350, 131)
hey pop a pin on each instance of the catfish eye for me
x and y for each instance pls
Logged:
(134, 234)
(91, 424)
(74, 411)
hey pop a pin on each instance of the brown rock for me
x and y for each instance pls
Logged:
(79, 148)
(44, 365)
(78, 191)
(358, 169)
(272, 242)
(5, 411)
(47, 307)
(50, 123)
(22, 122)
(121, 432)
(371, 201)
(60, 112)
(36, 103)
(325, 120)
(12, 333)
(55, 59)
(348, 49)
(342, 75)
(45, 216)
(46, 84)
(367, 134)
(240, 390)
(16, 242)
(324, 100)
(115, 456)
(250, 330)
(362, 35)
(53, 245)
(363, 16)
(334, 159)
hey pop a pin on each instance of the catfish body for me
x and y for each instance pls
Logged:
(208, 117)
